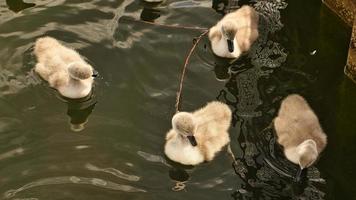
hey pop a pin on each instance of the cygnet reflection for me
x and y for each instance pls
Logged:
(224, 69)
(222, 73)
(150, 14)
(18, 5)
(150, 11)
(178, 174)
(79, 111)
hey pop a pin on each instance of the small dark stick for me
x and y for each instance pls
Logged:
(195, 43)
(167, 25)
(179, 93)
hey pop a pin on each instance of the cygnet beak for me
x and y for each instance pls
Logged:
(95, 74)
(230, 45)
(192, 140)
(298, 175)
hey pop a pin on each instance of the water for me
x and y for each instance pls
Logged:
(119, 153)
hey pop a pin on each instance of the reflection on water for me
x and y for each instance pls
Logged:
(186, 4)
(178, 174)
(11, 83)
(264, 175)
(73, 180)
(150, 14)
(12, 153)
(220, 6)
(152, 158)
(113, 171)
(150, 11)
(18, 5)
(121, 153)
(79, 112)
(222, 73)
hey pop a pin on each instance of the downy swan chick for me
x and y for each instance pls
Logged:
(234, 33)
(63, 68)
(299, 132)
(196, 137)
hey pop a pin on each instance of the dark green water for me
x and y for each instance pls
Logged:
(119, 154)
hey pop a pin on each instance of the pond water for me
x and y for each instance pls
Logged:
(119, 154)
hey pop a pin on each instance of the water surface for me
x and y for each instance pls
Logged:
(119, 154)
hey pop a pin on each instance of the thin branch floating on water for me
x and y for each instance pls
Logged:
(179, 93)
(166, 25)
(195, 43)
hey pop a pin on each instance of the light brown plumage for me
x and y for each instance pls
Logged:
(242, 25)
(299, 131)
(63, 68)
(209, 125)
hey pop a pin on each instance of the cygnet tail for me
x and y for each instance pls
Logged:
(80, 71)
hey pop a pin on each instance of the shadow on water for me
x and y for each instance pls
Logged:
(150, 11)
(18, 5)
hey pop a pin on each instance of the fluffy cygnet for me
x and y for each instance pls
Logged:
(299, 132)
(234, 33)
(63, 68)
(196, 137)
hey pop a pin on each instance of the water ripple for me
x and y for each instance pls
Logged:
(11, 83)
(73, 180)
(12, 153)
(152, 158)
(113, 171)
(189, 4)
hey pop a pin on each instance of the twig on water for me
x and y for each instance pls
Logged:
(196, 41)
(167, 26)
(232, 155)
(179, 93)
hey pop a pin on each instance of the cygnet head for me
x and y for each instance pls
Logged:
(308, 153)
(228, 30)
(80, 71)
(183, 124)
